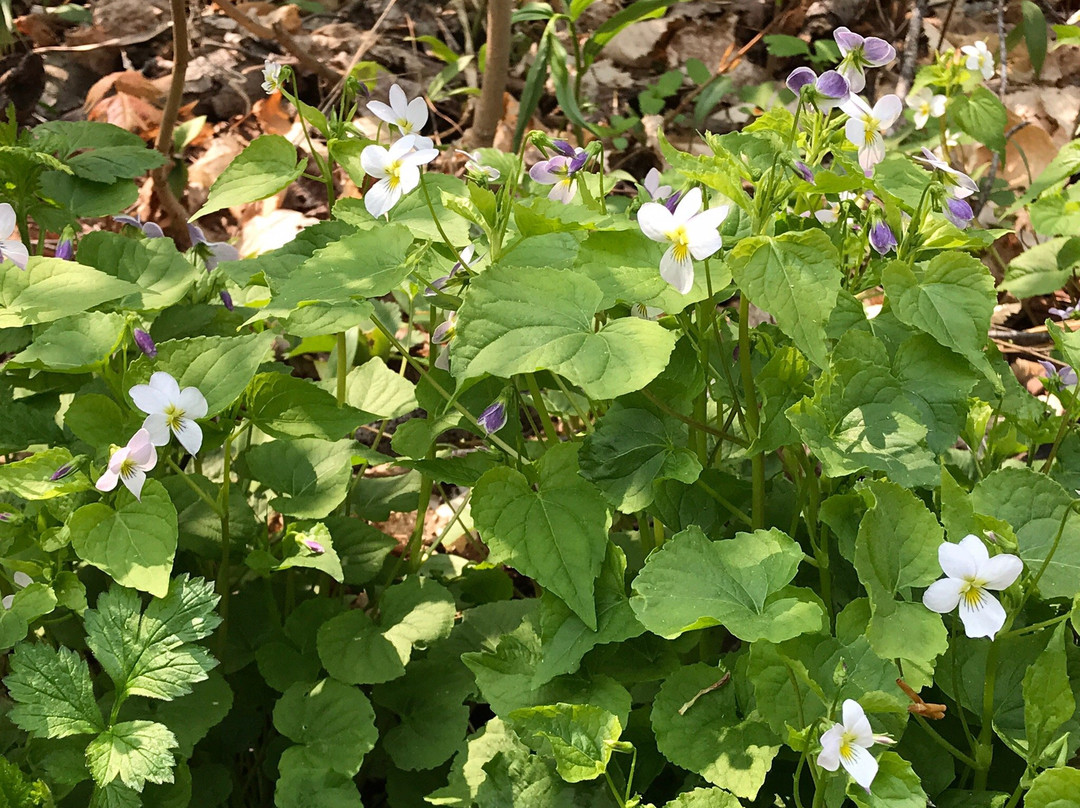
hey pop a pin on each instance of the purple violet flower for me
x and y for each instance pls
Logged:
(313, 546)
(1067, 313)
(213, 252)
(65, 250)
(1066, 375)
(563, 148)
(145, 343)
(559, 172)
(227, 300)
(860, 53)
(882, 238)
(824, 92)
(957, 184)
(62, 472)
(467, 260)
(493, 418)
(958, 211)
(149, 229)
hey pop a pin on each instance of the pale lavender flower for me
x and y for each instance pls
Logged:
(958, 211)
(824, 92)
(957, 184)
(560, 172)
(882, 238)
(213, 252)
(493, 418)
(804, 171)
(467, 260)
(475, 168)
(149, 229)
(11, 250)
(313, 545)
(145, 343)
(657, 192)
(129, 465)
(860, 53)
(65, 250)
(442, 336)
(1067, 313)
(1065, 374)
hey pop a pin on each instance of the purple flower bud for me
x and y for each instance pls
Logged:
(145, 343)
(563, 148)
(882, 238)
(959, 212)
(799, 78)
(5, 516)
(65, 250)
(313, 545)
(493, 418)
(672, 201)
(577, 162)
(61, 472)
(878, 52)
(803, 170)
(226, 299)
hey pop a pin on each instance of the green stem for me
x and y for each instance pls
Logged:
(1020, 632)
(753, 417)
(538, 402)
(686, 419)
(183, 475)
(438, 224)
(737, 512)
(952, 750)
(984, 756)
(224, 584)
(342, 368)
(1031, 585)
(1063, 429)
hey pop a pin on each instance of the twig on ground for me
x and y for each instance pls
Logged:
(911, 48)
(280, 35)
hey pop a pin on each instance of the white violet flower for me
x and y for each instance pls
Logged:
(970, 574)
(129, 465)
(397, 170)
(475, 167)
(10, 250)
(273, 81)
(979, 59)
(927, 105)
(657, 192)
(22, 580)
(866, 127)
(409, 116)
(170, 409)
(691, 232)
(847, 744)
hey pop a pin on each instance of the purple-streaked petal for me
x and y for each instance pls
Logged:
(577, 162)
(861, 765)
(877, 52)
(833, 85)
(134, 482)
(847, 40)
(65, 250)
(16, 252)
(381, 198)
(983, 618)
(882, 238)
(189, 434)
(62, 472)
(564, 148)
(959, 212)
(226, 300)
(799, 78)
(313, 546)
(803, 170)
(493, 418)
(548, 172)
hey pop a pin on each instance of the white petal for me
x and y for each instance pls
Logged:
(976, 549)
(408, 178)
(7, 219)
(380, 198)
(942, 596)
(655, 221)
(956, 560)
(442, 361)
(16, 252)
(872, 153)
(107, 481)
(916, 100)
(382, 111)
(688, 206)
(374, 160)
(134, 482)
(856, 722)
(402, 146)
(711, 217)
(652, 182)
(148, 399)
(984, 619)
(398, 101)
(22, 579)
(164, 383)
(829, 759)
(704, 242)
(563, 191)
(7, 600)
(189, 434)
(680, 274)
(1001, 570)
(158, 427)
(419, 157)
(937, 106)
(887, 110)
(861, 765)
(141, 450)
(855, 130)
(921, 118)
(855, 106)
(192, 402)
(417, 113)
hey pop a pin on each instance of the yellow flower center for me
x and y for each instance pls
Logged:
(405, 126)
(847, 747)
(873, 126)
(972, 592)
(680, 243)
(173, 416)
(127, 467)
(393, 174)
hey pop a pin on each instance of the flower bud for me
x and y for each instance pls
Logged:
(65, 250)
(882, 238)
(227, 300)
(493, 418)
(145, 343)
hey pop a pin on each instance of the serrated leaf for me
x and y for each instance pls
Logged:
(133, 752)
(74, 344)
(53, 692)
(739, 583)
(705, 798)
(578, 736)
(698, 726)
(152, 653)
(289, 407)
(134, 544)
(1048, 697)
(163, 275)
(50, 288)
(267, 165)
(556, 534)
(515, 323)
(795, 278)
(333, 722)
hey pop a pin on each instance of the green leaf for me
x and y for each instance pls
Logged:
(299, 554)
(304, 786)
(50, 288)
(134, 752)
(698, 726)
(794, 277)
(134, 544)
(361, 548)
(74, 344)
(512, 323)
(1054, 788)
(163, 275)
(320, 318)
(705, 798)
(783, 45)
(310, 476)
(192, 716)
(332, 721)
(896, 785)
(1048, 697)
(1044, 268)
(951, 299)
(152, 653)
(30, 478)
(415, 613)
(565, 636)
(578, 736)
(739, 583)
(1034, 35)
(17, 791)
(379, 392)
(981, 115)
(266, 166)
(289, 407)
(53, 692)
(630, 449)
(354, 650)
(556, 533)
(220, 367)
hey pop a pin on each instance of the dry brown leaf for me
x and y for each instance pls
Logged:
(1027, 153)
(210, 164)
(273, 119)
(42, 29)
(268, 231)
(131, 82)
(127, 112)
(287, 16)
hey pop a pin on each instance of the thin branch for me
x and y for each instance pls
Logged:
(911, 48)
(280, 35)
